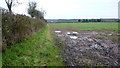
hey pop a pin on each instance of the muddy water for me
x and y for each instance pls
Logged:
(86, 47)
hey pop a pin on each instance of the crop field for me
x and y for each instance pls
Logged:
(86, 26)
(89, 44)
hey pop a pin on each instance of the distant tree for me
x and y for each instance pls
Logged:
(10, 4)
(93, 20)
(79, 20)
(39, 14)
(98, 20)
(118, 20)
(87, 20)
(34, 12)
(31, 9)
(84, 20)
(43, 12)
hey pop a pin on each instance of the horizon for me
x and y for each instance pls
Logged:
(87, 18)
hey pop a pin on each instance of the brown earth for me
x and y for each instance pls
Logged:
(89, 47)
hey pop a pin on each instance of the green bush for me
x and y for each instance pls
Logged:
(16, 28)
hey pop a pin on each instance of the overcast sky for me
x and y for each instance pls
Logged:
(71, 9)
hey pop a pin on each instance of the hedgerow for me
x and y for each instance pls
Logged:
(16, 28)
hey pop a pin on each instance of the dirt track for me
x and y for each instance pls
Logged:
(89, 47)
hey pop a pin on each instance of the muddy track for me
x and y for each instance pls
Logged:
(88, 47)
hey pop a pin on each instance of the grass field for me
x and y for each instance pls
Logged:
(103, 26)
(38, 50)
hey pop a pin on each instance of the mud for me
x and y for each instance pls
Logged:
(89, 47)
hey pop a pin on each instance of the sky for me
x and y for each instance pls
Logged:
(70, 9)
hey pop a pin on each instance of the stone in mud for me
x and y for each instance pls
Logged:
(90, 39)
(96, 46)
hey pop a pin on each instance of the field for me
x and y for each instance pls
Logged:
(85, 44)
(89, 44)
(86, 26)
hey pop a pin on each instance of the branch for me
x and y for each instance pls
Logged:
(11, 2)
(6, 2)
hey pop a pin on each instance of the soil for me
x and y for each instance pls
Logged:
(89, 47)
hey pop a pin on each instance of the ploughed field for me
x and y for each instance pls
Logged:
(88, 43)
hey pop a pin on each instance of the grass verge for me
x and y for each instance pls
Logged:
(38, 50)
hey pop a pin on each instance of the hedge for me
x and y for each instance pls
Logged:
(16, 28)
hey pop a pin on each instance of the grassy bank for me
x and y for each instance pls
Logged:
(85, 26)
(38, 50)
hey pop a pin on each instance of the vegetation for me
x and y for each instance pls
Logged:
(34, 12)
(38, 50)
(29, 42)
(16, 28)
(86, 26)
(103, 26)
(22, 44)
(31, 9)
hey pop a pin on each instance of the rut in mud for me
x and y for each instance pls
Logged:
(88, 47)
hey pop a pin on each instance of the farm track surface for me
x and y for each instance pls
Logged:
(89, 47)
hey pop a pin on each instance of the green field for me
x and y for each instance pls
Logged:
(38, 50)
(103, 26)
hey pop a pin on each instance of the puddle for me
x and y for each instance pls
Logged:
(72, 33)
(75, 32)
(57, 31)
(109, 34)
(73, 37)
(68, 32)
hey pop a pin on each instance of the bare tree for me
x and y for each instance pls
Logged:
(11, 3)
